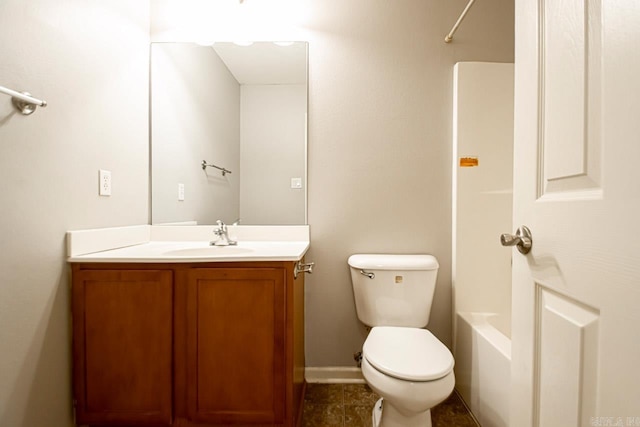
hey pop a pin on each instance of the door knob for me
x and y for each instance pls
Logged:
(521, 240)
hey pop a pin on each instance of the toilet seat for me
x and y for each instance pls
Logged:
(407, 353)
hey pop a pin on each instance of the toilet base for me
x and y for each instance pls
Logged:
(392, 417)
(376, 414)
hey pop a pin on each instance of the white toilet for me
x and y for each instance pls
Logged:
(405, 364)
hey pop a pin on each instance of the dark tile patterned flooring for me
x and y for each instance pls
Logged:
(350, 405)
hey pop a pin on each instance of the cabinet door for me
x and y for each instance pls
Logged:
(122, 345)
(236, 345)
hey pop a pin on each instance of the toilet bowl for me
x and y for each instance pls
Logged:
(411, 370)
(405, 364)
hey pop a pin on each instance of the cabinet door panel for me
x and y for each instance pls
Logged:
(123, 346)
(236, 329)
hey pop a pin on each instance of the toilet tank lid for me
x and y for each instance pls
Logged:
(393, 262)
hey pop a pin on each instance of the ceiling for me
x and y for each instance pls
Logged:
(265, 62)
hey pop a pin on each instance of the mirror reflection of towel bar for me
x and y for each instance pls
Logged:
(224, 171)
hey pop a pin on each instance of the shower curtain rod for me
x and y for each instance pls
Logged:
(23, 101)
(457, 24)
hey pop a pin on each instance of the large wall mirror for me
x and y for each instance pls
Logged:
(242, 108)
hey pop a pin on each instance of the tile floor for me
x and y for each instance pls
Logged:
(350, 405)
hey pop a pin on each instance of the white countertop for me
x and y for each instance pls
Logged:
(142, 244)
(199, 252)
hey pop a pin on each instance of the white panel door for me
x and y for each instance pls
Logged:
(576, 295)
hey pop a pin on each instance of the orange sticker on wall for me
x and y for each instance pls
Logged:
(468, 162)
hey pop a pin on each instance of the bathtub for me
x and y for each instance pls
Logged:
(482, 353)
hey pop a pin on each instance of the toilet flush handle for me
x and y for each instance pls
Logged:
(369, 274)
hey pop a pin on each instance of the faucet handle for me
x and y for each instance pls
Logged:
(222, 228)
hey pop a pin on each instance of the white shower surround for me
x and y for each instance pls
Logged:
(482, 209)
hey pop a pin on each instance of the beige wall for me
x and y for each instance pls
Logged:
(89, 60)
(380, 146)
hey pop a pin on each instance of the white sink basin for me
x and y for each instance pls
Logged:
(209, 251)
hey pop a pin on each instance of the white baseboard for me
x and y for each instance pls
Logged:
(334, 375)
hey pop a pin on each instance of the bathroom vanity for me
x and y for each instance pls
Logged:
(196, 337)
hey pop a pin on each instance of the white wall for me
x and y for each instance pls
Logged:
(483, 195)
(195, 108)
(379, 177)
(272, 135)
(89, 60)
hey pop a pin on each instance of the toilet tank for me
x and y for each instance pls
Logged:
(393, 290)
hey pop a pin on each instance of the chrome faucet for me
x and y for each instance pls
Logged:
(223, 236)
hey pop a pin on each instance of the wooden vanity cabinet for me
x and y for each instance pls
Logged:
(122, 346)
(219, 344)
(236, 338)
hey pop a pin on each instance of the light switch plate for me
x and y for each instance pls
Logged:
(104, 182)
(296, 183)
(180, 192)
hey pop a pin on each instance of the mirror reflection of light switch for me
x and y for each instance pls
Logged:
(296, 183)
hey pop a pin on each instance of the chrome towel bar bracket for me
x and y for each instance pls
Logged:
(23, 101)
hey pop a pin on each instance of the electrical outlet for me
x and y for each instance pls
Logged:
(104, 182)
(180, 192)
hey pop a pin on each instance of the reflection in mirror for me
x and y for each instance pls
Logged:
(241, 108)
